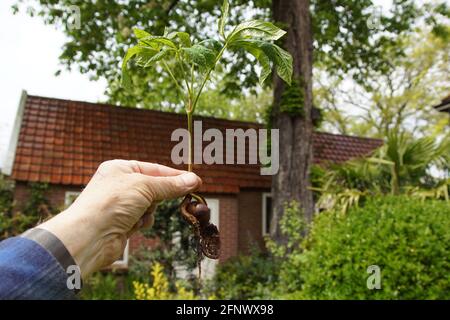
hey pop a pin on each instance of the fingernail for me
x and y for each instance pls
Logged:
(189, 179)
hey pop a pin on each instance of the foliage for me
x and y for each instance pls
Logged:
(399, 100)
(251, 107)
(14, 222)
(245, 277)
(403, 165)
(407, 159)
(159, 288)
(106, 286)
(289, 253)
(190, 64)
(343, 38)
(6, 194)
(292, 99)
(407, 238)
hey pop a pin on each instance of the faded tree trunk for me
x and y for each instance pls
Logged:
(292, 181)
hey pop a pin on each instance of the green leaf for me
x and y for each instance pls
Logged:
(256, 29)
(184, 37)
(212, 44)
(139, 33)
(264, 62)
(281, 59)
(159, 40)
(126, 80)
(224, 17)
(157, 57)
(200, 55)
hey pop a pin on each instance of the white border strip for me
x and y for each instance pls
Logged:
(11, 153)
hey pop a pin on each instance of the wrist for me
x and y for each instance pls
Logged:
(78, 237)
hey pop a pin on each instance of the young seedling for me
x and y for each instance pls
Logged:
(190, 66)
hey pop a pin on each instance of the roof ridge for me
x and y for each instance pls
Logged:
(348, 136)
(143, 110)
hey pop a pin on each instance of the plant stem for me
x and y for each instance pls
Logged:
(190, 153)
(173, 77)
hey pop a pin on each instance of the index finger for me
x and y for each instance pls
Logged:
(154, 169)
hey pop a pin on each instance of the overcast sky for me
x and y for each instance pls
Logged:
(28, 60)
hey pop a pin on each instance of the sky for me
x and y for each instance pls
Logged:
(28, 61)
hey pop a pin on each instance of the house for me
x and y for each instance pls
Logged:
(444, 106)
(62, 142)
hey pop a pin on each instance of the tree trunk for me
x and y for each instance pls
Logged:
(292, 181)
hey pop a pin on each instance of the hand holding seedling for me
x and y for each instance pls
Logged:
(190, 66)
(118, 201)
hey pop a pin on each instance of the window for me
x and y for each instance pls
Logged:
(123, 260)
(266, 213)
(70, 197)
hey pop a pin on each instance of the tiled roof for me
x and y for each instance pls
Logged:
(63, 142)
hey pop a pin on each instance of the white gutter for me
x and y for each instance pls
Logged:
(11, 153)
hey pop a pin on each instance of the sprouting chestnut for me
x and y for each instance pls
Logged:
(197, 214)
(202, 213)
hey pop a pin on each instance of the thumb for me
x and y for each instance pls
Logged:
(162, 188)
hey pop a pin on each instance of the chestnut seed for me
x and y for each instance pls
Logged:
(191, 207)
(202, 213)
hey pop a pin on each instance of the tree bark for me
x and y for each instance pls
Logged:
(292, 181)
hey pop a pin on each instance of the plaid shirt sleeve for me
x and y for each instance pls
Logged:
(29, 271)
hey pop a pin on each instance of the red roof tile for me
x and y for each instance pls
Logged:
(63, 142)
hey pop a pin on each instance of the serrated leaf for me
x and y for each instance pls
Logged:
(157, 57)
(125, 80)
(212, 44)
(200, 55)
(139, 33)
(266, 69)
(281, 59)
(159, 40)
(223, 18)
(256, 29)
(184, 37)
(264, 62)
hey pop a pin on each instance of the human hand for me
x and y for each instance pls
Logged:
(119, 200)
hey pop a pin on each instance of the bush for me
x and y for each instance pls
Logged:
(14, 222)
(159, 287)
(107, 286)
(407, 238)
(245, 277)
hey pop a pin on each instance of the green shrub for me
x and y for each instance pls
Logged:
(107, 286)
(245, 277)
(407, 238)
(14, 222)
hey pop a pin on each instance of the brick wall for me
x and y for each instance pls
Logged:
(228, 225)
(55, 194)
(250, 220)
